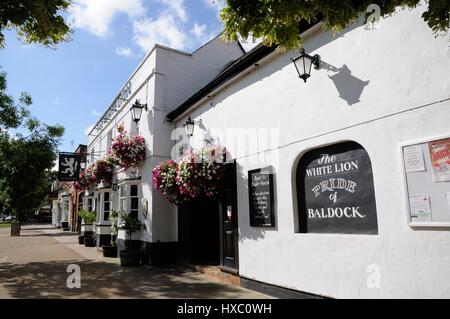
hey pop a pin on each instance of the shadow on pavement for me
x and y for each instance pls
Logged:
(102, 280)
(68, 234)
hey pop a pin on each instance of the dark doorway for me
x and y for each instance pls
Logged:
(208, 228)
(229, 220)
(199, 232)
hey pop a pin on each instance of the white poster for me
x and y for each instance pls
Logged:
(420, 208)
(414, 160)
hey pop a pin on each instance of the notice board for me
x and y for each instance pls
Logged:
(426, 166)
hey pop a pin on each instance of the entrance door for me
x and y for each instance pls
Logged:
(199, 232)
(229, 221)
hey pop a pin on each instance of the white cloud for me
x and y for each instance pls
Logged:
(96, 16)
(164, 31)
(169, 26)
(200, 34)
(176, 9)
(126, 52)
(95, 113)
(198, 30)
(89, 129)
(216, 5)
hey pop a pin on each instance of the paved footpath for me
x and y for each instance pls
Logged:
(35, 266)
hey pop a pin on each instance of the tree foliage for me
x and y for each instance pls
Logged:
(279, 22)
(26, 160)
(36, 21)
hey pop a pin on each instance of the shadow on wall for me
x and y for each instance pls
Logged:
(247, 232)
(349, 86)
(102, 280)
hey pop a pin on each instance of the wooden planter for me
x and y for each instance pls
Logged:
(129, 258)
(89, 242)
(109, 251)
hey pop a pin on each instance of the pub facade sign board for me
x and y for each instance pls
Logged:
(335, 191)
(261, 198)
(69, 167)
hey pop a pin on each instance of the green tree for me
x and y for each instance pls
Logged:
(36, 21)
(279, 22)
(26, 160)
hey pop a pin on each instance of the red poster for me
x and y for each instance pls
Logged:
(440, 160)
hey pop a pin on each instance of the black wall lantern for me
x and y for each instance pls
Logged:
(136, 111)
(304, 63)
(189, 126)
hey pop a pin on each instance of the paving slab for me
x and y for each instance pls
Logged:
(35, 265)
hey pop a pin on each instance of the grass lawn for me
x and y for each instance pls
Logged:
(4, 225)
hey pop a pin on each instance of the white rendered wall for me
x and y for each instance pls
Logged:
(164, 79)
(406, 99)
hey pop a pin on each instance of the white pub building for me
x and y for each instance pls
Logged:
(339, 181)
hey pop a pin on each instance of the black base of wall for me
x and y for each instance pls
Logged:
(153, 254)
(103, 240)
(275, 291)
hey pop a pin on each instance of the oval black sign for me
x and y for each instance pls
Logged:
(335, 191)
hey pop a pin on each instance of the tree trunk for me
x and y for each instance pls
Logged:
(16, 225)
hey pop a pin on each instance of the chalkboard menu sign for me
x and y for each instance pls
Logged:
(260, 187)
(336, 192)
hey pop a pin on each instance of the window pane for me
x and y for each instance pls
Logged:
(134, 190)
(134, 203)
(106, 207)
(106, 197)
(134, 213)
(106, 216)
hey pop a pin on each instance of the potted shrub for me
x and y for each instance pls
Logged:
(110, 251)
(87, 229)
(130, 256)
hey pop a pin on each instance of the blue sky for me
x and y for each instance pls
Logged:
(72, 85)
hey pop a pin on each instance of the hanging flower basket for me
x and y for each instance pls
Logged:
(164, 180)
(197, 173)
(189, 175)
(212, 170)
(103, 171)
(128, 151)
(87, 179)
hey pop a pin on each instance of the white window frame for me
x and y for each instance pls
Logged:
(99, 199)
(124, 199)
